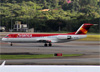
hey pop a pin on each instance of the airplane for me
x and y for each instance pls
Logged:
(47, 68)
(48, 39)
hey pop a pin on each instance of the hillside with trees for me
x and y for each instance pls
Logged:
(49, 15)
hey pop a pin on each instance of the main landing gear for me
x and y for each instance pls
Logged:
(47, 44)
(11, 44)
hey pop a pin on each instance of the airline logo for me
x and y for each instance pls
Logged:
(24, 36)
(83, 30)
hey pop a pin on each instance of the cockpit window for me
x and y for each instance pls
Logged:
(7, 36)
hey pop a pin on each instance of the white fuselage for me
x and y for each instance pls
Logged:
(53, 39)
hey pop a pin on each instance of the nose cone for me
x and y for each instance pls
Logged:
(4, 39)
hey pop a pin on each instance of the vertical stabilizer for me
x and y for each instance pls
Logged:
(84, 28)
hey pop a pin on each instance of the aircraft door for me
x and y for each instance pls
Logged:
(68, 37)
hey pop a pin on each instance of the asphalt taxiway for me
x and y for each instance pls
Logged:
(89, 49)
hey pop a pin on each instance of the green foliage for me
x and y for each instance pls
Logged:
(69, 15)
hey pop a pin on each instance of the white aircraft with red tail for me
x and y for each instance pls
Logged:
(48, 39)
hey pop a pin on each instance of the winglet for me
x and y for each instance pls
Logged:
(3, 63)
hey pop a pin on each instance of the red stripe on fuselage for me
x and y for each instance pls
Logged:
(26, 35)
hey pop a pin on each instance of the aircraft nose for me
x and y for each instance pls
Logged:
(4, 39)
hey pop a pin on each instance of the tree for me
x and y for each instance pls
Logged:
(88, 2)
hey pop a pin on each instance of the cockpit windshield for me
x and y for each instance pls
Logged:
(7, 36)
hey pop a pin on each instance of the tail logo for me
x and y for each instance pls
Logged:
(83, 30)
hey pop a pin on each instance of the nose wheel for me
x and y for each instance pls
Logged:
(11, 44)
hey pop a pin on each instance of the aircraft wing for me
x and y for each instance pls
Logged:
(44, 41)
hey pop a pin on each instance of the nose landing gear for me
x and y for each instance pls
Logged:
(11, 44)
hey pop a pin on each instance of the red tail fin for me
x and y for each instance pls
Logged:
(84, 28)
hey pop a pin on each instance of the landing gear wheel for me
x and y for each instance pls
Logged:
(45, 45)
(11, 44)
(50, 44)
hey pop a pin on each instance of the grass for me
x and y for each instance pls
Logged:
(91, 38)
(34, 56)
